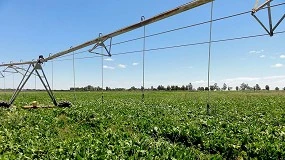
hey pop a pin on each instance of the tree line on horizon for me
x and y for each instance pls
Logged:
(188, 87)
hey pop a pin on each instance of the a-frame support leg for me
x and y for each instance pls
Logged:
(26, 77)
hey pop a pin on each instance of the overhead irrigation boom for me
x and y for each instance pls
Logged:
(101, 39)
(36, 65)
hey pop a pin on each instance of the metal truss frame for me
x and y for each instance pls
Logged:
(33, 69)
(272, 28)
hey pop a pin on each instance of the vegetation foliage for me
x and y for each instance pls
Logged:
(168, 125)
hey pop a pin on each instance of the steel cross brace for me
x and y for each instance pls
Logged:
(17, 70)
(271, 28)
(34, 68)
(101, 43)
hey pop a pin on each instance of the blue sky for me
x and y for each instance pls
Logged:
(31, 28)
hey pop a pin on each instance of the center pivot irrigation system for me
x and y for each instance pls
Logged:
(35, 67)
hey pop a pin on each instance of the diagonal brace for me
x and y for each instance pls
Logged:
(277, 24)
(10, 71)
(21, 85)
(45, 83)
(101, 43)
(262, 25)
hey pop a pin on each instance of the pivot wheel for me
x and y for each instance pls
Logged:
(64, 104)
(4, 104)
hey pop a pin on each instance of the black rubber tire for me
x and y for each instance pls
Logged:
(4, 104)
(64, 104)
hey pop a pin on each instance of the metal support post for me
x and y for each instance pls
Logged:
(143, 60)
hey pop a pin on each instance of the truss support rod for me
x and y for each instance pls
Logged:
(261, 6)
(262, 25)
(270, 19)
(103, 46)
(277, 24)
(180, 9)
(21, 85)
(46, 84)
(18, 70)
(1, 75)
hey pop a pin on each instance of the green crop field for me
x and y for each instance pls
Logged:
(169, 125)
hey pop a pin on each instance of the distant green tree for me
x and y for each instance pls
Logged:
(244, 86)
(267, 87)
(200, 88)
(89, 88)
(160, 87)
(190, 87)
(224, 87)
(276, 88)
(168, 88)
(133, 88)
(257, 87)
(216, 87)
(187, 87)
(177, 88)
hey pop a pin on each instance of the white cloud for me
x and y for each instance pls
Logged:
(282, 56)
(277, 80)
(262, 56)
(135, 64)
(246, 79)
(203, 82)
(109, 59)
(108, 67)
(200, 81)
(274, 77)
(256, 52)
(122, 66)
(241, 79)
(278, 65)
